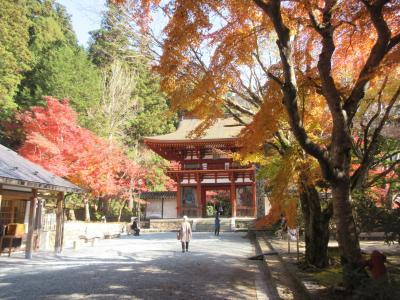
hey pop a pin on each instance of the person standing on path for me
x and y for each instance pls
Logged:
(185, 234)
(217, 224)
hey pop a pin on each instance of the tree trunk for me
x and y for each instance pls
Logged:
(104, 206)
(87, 212)
(120, 211)
(349, 246)
(71, 215)
(130, 204)
(316, 225)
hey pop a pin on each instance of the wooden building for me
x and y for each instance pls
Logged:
(24, 187)
(204, 168)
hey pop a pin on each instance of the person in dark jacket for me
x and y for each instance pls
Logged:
(217, 224)
(135, 227)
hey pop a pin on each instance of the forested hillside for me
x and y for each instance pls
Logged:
(110, 86)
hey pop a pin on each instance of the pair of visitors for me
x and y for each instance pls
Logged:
(185, 234)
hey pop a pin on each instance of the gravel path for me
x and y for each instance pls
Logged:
(151, 266)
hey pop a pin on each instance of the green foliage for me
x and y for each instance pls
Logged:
(156, 180)
(63, 72)
(117, 41)
(370, 217)
(60, 68)
(152, 117)
(39, 56)
(114, 207)
(210, 209)
(113, 40)
(50, 24)
(15, 56)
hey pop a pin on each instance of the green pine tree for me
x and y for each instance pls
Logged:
(117, 41)
(61, 68)
(15, 56)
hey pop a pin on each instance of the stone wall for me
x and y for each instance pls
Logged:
(166, 224)
(244, 224)
(79, 231)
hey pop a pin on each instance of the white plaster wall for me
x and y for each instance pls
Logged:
(170, 208)
(153, 209)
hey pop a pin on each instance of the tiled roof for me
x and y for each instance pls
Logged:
(222, 129)
(157, 195)
(17, 170)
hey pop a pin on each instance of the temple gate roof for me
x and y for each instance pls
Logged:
(221, 135)
(222, 129)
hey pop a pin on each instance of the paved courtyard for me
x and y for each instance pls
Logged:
(151, 266)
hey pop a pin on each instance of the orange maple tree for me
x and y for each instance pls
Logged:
(335, 48)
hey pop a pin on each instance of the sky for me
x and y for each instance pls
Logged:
(85, 16)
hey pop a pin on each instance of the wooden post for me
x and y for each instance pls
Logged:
(38, 224)
(12, 209)
(233, 196)
(178, 200)
(162, 208)
(59, 218)
(254, 199)
(288, 241)
(31, 226)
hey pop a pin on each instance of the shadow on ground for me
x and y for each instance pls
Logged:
(148, 274)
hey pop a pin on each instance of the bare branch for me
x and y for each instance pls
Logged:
(236, 116)
(385, 157)
(239, 108)
(360, 173)
(378, 52)
(375, 116)
(245, 97)
(289, 88)
(275, 78)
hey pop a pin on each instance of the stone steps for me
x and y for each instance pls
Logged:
(202, 224)
(208, 225)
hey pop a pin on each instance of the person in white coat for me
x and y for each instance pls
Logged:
(185, 234)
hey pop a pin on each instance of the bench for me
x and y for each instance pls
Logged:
(112, 236)
(88, 239)
(11, 237)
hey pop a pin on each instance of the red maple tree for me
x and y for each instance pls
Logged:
(56, 141)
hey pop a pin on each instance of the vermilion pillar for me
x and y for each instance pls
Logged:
(254, 200)
(201, 210)
(233, 196)
(178, 200)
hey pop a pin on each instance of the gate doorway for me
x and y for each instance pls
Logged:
(218, 200)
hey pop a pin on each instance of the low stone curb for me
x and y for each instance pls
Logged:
(301, 285)
(266, 270)
(287, 268)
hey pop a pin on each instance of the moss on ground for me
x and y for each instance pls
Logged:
(332, 276)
